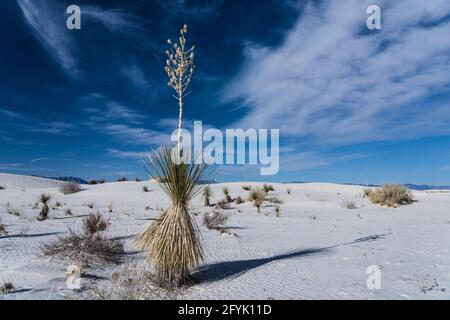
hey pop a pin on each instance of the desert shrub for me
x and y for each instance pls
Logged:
(215, 220)
(58, 204)
(110, 207)
(68, 212)
(274, 200)
(138, 179)
(145, 189)
(91, 245)
(391, 195)
(207, 194)
(6, 288)
(2, 188)
(3, 230)
(70, 187)
(239, 200)
(135, 283)
(268, 187)
(247, 188)
(44, 199)
(95, 223)
(101, 181)
(223, 204)
(288, 190)
(257, 197)
(123, 179)
(93, 182)
(349, 205)
(277, 211)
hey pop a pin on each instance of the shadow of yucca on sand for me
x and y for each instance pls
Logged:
(233, 269)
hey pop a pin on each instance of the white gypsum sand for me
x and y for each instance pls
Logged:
(316, 249)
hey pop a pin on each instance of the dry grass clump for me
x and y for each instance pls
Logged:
(6, 288)
(207, 194)
(268, 187)
(44, 200)
(215, 220)
(69, 188)
(257, 197)
(224, 205)
(349, 205)
(239, 200)
(145, 189)
(390, 195)
(3, 231)
(247, 188)
(288, 190)
(135, 283)
(91, 245)
(277, 211)
(274, 200)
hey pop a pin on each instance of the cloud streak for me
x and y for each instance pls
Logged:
(335, 82)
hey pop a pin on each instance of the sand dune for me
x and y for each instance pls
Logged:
(317, 249)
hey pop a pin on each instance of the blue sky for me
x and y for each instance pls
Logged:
(352, 105)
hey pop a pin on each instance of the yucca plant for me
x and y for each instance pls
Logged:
(172, 241)
(44, 200)
(207, 193)
(226, 192)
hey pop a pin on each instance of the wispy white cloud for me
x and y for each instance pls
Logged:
(47, 21)
(199, 10)
(126, 154)
(334, 81)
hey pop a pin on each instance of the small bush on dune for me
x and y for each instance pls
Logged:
(268, 187)
(207, 194)
(391, 195)
(247, 188)
(223, 204)
(95, 223)
(277, 211)
(2, 188)
(88, 246)
(289, 191)
(3, 230)
(101, 181)
(274, 200)
(135, 283)
(239, 200)
(123, 179)
(44, 200)
(145, 189)
(257, 197)
(93, 182)
(6, 288)
(349, 205)
(70, 187)
(215, 220)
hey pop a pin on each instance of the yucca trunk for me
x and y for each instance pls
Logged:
(180, 127)
(173, 246)
(44, 212)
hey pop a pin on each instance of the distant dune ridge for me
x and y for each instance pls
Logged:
(17, 182)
